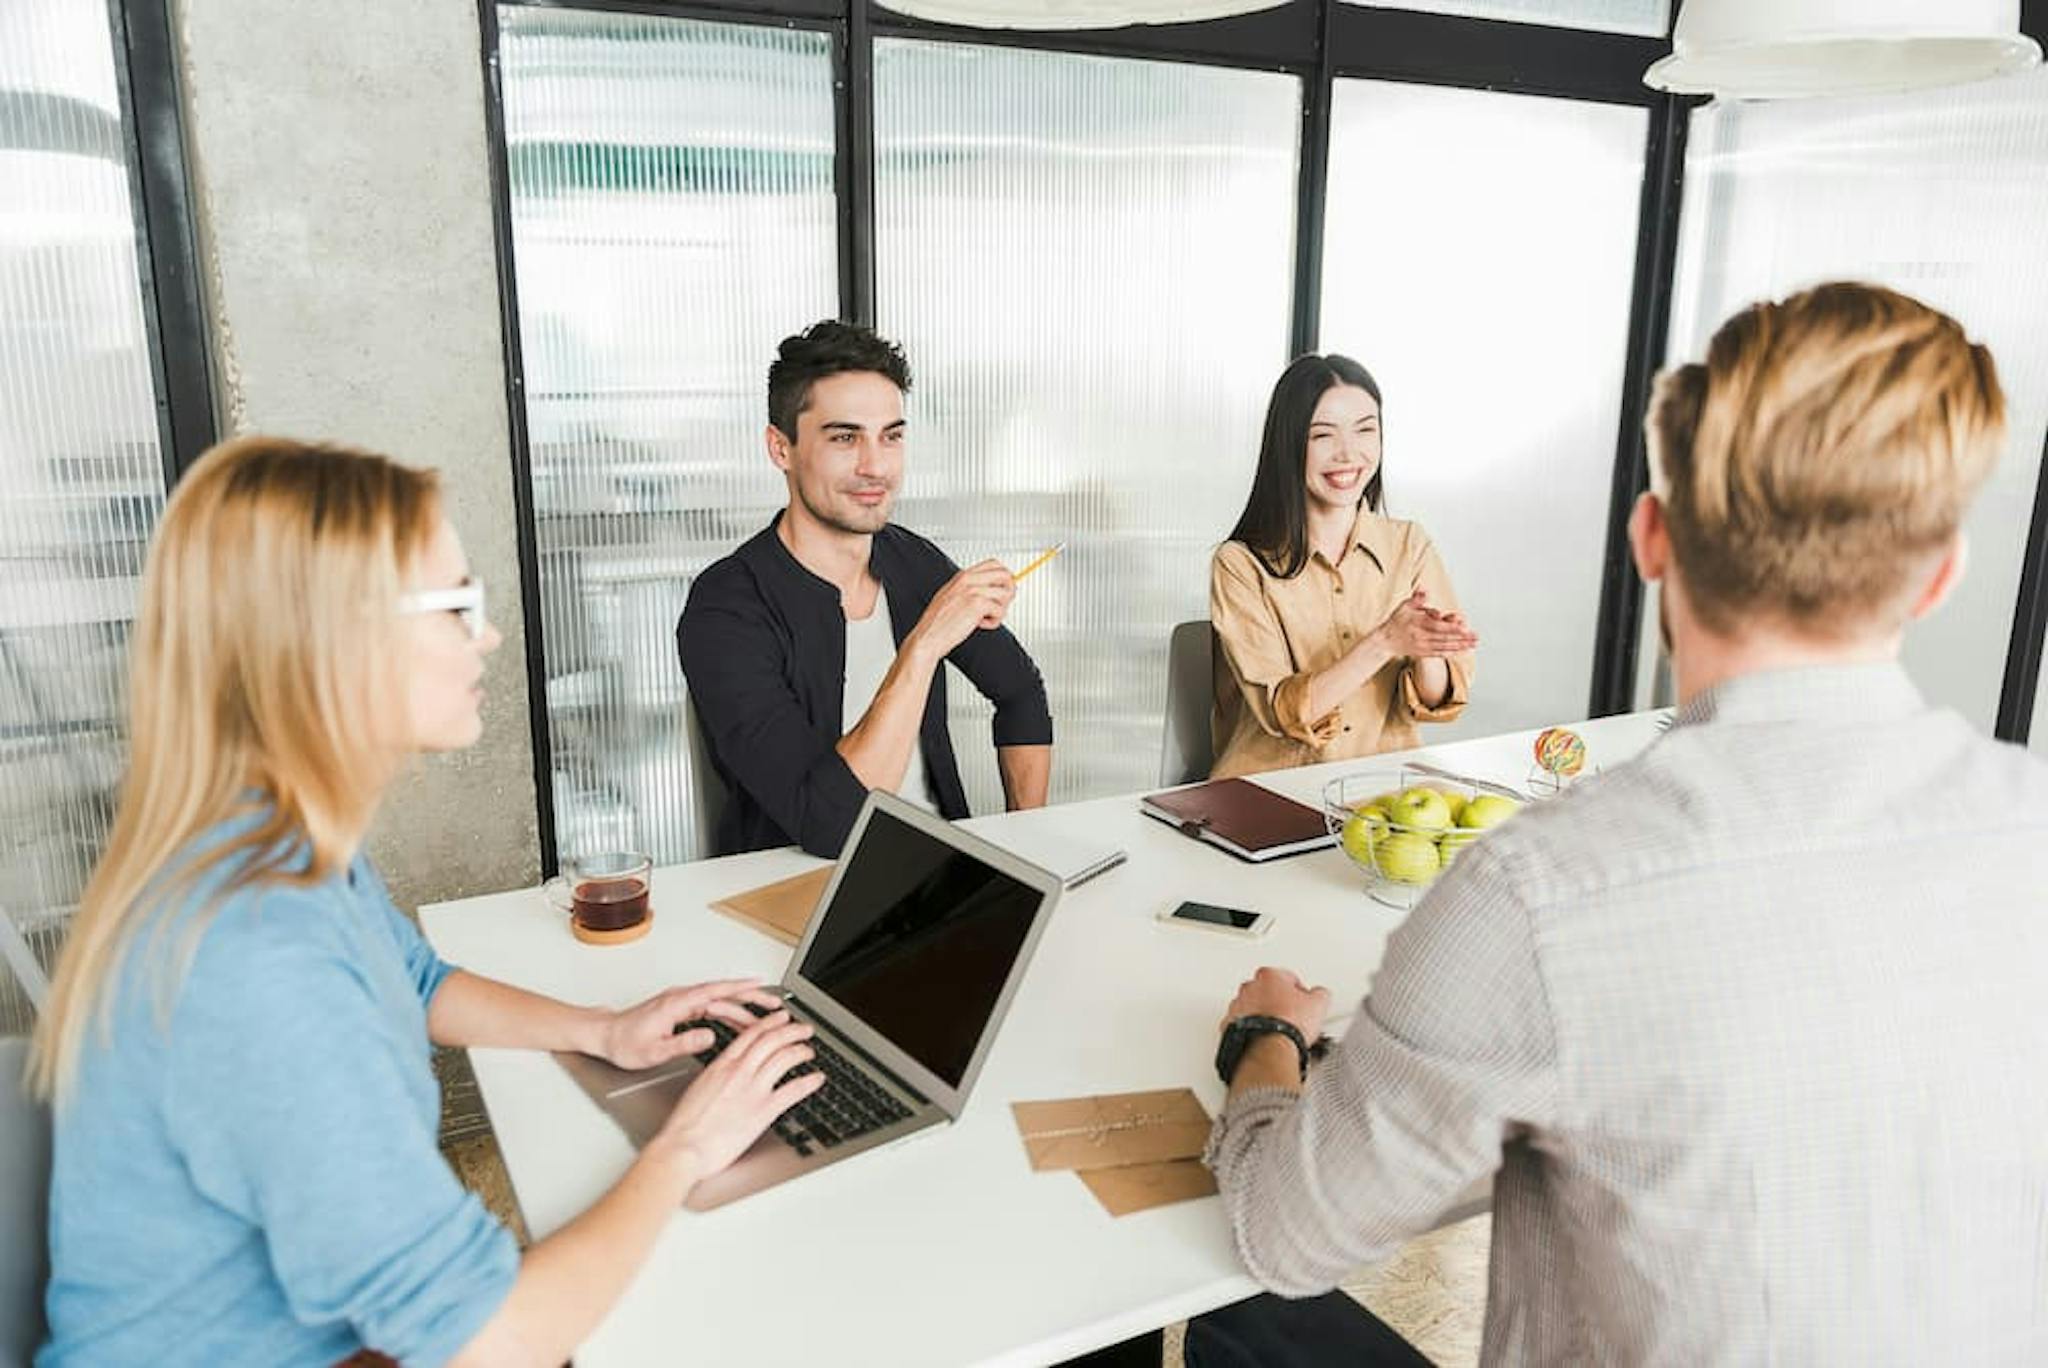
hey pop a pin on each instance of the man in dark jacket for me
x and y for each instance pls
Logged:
(815, 652)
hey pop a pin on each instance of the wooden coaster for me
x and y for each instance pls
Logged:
(618, 937)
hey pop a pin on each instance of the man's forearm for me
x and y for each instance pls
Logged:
(469, 1009)
(1027, 775)
(879, 747)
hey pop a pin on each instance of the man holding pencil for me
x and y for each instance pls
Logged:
(815, 652)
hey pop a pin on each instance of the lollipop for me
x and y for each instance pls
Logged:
(1561, 752)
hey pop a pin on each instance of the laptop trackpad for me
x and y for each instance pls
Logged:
(638, 1100)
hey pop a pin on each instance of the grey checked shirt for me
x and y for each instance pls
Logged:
(1752, 1034)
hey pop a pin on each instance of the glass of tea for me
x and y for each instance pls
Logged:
(605, 896)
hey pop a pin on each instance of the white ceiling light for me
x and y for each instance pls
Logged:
(1778, 49)
(1074, 14)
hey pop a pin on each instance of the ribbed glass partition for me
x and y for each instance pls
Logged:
(1478, 257)
(81, 474)
(672, 219)
(1089, 261)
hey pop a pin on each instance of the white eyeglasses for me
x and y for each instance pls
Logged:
(465, 600)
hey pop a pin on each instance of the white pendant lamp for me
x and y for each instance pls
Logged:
(1073, 14)
(1782, 49)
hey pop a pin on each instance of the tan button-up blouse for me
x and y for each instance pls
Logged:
(1273, 634)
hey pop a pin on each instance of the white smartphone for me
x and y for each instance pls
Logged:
(1231, 921)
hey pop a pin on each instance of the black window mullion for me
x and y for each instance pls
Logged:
(2015, 719)
(2029, 622)
(1493, 54)
(1283, 37)
(854, 166)
(167, 244)
(1314, 190)
(525, 527)
(807, 14)
(1621, 592)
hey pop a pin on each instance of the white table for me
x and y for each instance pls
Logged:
(948, 1249)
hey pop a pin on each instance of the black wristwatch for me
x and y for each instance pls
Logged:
(1242, 1031)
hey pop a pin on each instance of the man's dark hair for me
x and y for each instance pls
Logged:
(825, 349)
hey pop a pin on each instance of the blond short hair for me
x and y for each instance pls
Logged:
(1821, 455)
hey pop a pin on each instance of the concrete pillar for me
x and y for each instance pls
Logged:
(342, 180)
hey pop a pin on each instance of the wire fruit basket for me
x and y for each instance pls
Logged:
(1403, 827)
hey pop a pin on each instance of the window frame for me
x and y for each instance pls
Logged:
(1319, 41)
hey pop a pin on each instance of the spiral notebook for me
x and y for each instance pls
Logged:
(1250, 822)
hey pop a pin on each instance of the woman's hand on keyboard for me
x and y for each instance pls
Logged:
(740, 1093)
(644, 1036)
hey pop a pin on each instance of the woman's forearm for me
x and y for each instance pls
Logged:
(1432, 680)
(1328, 688)
(470, 1010)
(568, 1281)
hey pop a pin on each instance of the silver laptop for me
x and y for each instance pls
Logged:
(905, 972)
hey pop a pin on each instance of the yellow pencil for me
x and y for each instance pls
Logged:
(1049, 554)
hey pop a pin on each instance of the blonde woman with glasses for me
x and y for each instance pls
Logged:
(237, 1047)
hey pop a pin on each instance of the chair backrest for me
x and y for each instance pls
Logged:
(24, 1207)
(1188, 748)
(707, 790)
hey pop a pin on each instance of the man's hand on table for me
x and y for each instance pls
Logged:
(1271, 1061)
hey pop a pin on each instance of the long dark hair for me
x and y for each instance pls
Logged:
(1274, 524)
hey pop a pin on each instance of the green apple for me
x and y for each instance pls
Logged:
(1488, 809)
(1454, 841)
(1407, 857)
(1420, 809)
(1363, 829)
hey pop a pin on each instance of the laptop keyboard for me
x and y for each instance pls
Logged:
(849, 1106)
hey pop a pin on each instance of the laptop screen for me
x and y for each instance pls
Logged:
(919, 941)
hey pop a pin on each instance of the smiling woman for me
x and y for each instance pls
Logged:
(1338, 625)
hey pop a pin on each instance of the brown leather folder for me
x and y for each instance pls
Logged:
(1250, 822)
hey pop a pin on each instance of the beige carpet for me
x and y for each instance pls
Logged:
(1433, 1291)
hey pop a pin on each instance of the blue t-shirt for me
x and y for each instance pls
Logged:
(261, 1183)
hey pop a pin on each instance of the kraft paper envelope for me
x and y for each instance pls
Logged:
(1143, 1186)
(780, 910)
(1113, 1131)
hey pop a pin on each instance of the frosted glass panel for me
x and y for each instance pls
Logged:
(672, 220)
(1478, 259)
(1089, 262)
(1941, 195)
(1647, 17)
(81, 476)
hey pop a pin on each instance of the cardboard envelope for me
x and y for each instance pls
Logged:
(781, 910)
(1144, 1186)
(1113, 1130)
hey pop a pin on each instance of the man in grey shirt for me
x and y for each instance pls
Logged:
(1752, 1032)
